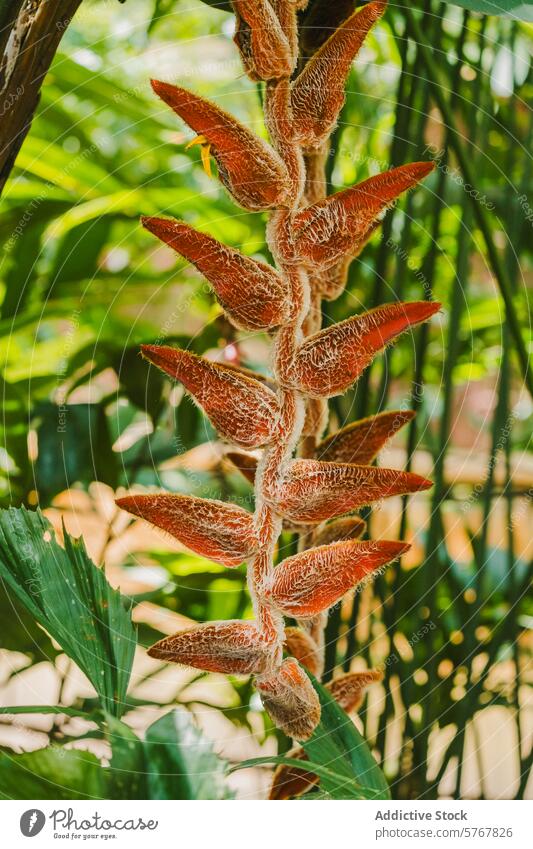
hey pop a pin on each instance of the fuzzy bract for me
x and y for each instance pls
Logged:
(304, 482)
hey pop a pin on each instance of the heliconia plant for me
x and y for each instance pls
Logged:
(304, 481)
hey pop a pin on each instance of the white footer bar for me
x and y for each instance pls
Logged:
(267, 825)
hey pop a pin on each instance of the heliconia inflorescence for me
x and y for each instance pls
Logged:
(301, 52)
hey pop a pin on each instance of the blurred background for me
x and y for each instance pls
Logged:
(84, 418)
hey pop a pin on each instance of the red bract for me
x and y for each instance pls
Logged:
(216, 530)
(286, 13)
(253, 294)
(320, 19)
(303, 52)
(318, 92)
(328, 362)
(348, 690)
(263, 45)
(361, 441)
(314, 491)
(245, 463)
(300, 645)
(336, 227)
(312, 581)
(232, 647)
(332, 281)
(249, 168)
(350, 527)
(242, 409)
(290, 781)
(290, 699)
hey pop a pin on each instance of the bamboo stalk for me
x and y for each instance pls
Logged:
(480, 213)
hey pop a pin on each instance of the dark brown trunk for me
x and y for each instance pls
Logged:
(30, 34)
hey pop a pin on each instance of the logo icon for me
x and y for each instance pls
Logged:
(32, 822)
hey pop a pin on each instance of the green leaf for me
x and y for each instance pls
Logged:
(22, 251)
(223, 5)
(337, 754)
(71, 599)
(45, 159)
(181, 761)
(19, 632)
(127, 775)
(74, 447)
(520, 10)
(337, 743)
(342, 789)
(76, 254)
(174, 762)
(144, 389)
(51, 773)
(55, 709)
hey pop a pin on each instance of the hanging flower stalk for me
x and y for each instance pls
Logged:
(302, 481)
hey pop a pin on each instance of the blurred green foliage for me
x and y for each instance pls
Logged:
(83, 285)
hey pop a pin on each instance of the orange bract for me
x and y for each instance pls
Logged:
(312, 581)
(361, 441)
(290, 699)
(336, 227)
(301, 646)
(314, 491)
(252, 293)
(303, 52)
(318, 92)
(349, 690)
(249, 168)
(328, 362)
(232, 647)
(216, 530)
(290, 781)
(333, 280)
(263, 45)
(286, 13)
(350, 527)
(242, 409)
(245, 463)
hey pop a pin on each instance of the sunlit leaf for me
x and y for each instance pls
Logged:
(337, 743)
(520, 10)
(338, 755)
(51, 773)
(70, 597)
(181, 762)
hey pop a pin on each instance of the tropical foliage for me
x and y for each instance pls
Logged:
(85, 419)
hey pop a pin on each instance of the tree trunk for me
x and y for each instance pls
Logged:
(30, 32)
